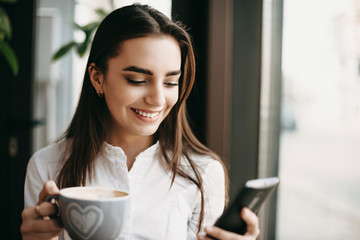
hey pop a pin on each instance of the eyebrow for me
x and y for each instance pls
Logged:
(149, 72)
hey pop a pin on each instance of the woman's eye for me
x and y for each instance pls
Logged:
(135, 82)
(171, 84)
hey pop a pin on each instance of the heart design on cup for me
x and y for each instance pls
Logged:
(85, 221)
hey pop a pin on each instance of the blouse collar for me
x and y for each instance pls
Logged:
(111, 150)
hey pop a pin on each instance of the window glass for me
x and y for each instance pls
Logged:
(319, 196)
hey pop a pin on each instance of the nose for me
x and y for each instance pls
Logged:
(156, 95)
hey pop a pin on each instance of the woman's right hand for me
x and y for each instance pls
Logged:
(36, 223)
(252, 229)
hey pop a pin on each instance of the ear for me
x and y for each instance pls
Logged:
(96, 78)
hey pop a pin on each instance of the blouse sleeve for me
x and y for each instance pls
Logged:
(214, 198)
(42, 166)
(34, 181)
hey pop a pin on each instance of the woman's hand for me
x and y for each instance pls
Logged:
(252, 233)
(36, 223)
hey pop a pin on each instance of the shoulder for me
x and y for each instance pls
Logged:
(203, 161)
(208, 166)
(49, 155)
(52, 150)
(42, 166)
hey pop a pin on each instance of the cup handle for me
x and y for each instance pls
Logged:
(51, 197)
(56, 198)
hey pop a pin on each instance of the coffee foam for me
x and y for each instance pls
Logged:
(92, 193)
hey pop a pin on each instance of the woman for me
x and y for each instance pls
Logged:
(130, 131)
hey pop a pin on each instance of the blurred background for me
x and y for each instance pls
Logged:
(277, 93)
(319, 145)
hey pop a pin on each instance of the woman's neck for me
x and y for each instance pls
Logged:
(132, 146)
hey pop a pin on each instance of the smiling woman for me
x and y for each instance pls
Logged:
(140, 88)
(130, 132)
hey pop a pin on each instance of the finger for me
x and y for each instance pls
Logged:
(252, 222)
(203, 237)
(39, 236)
(39, 211)
(49, 188)
(40, 226)
(221, 234)
(47, 209)
(30, 213)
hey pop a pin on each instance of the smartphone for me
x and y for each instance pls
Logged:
(251, 194)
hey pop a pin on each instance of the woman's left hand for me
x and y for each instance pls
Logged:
(252, 232)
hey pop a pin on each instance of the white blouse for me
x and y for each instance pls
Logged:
(158, 211)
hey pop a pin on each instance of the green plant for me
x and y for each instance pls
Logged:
(88, 29)
(5, 36)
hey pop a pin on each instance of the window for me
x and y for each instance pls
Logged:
(319, 196)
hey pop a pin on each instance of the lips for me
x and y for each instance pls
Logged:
(146, 113)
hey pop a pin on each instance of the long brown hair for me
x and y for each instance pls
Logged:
(86, 132)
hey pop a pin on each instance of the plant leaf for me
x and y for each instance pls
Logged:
(90, 27)
(77, 26)
(5, 26)
(102, 13)
(10, 56)
(82, 47)
(63, 50)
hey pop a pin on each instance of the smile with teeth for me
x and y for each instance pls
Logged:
(145, 114)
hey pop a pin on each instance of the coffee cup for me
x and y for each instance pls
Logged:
(92, 212)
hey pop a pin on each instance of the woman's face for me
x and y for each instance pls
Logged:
(140, 85)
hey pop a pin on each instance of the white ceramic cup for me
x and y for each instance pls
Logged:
(92, 212)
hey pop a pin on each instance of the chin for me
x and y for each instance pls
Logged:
(147, 132)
